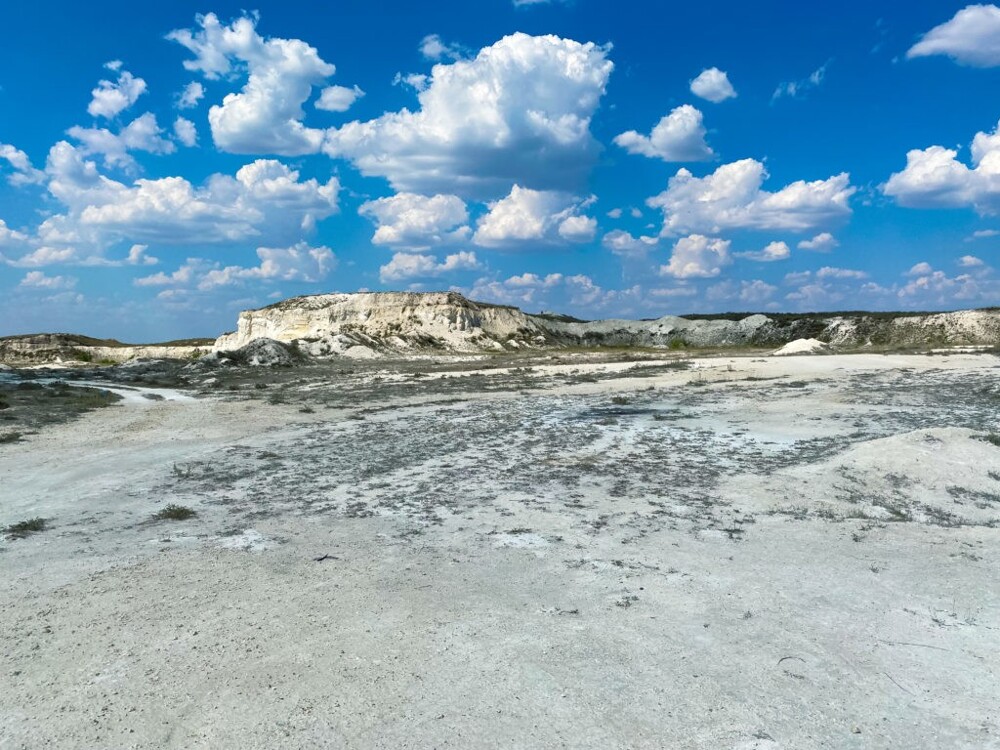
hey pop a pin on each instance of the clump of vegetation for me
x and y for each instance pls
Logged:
(620, 400)
(991, 437)
(175, 512)
(26, 528)
(10, 437)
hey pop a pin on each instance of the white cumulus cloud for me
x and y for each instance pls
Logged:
(732, 198)
(24, 172)
(935, 178)
(112, 97)
(193, 93)
(578, 228)
(937, 288)
(772, 252)
(142, 134)
(519, 112)
(417, 221)
(338, 98)
(410, 265)
(679, 136)
(185, 132)
(137, 256)
(38, 280)
(10, 236)
(829, 272)
(433, 47)
(527, 215)
(44, 256)
(265, 117)
(297, 263)
(623, 244)
(697, 256)
(754, 292)
(713, 84)
(265, 200)
(823, 242)
(981, 234)
(971, 37)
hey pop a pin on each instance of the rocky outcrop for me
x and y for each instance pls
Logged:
(71, 348)
(376, 323)
(367, 323)
(667, 331)
(258, 353)
(965, 327)
(373, 324)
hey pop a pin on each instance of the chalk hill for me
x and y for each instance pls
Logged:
(372, 324)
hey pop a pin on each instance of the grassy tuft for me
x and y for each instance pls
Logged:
(175, 513)
(26, 528)
(10, 437)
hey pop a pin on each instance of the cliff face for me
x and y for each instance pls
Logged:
(373, 322)
(369, 324)
(666, 331)
(970, 327)
(56, 347)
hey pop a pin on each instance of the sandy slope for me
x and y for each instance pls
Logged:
(732, 564)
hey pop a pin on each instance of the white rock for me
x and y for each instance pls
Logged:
(802, 346)
(338, 323)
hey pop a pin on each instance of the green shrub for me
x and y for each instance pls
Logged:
(26, 528)
(175, 513)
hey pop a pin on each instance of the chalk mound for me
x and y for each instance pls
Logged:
(258, 353)
(802, 346)
(265, 353)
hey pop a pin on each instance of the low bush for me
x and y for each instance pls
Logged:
(26, 528)
(175, 513)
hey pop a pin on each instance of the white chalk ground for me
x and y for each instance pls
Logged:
(813, 620)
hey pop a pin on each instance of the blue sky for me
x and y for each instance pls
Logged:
(164, 166)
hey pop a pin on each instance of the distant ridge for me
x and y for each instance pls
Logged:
(373, 324)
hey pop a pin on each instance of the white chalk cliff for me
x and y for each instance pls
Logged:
(365, 323)
(371, 324)
(368, 324)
